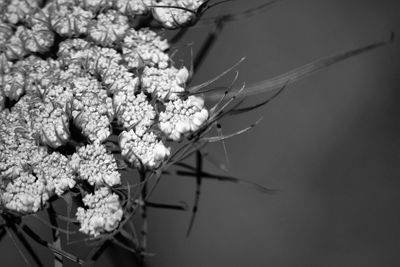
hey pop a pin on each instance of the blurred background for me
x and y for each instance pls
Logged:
(329, 145)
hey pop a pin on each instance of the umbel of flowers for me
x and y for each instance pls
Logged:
(74, 73)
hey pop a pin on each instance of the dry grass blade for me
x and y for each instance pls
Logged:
(237, 111)
(221, 100)
(304, 71)
(196, 88)
(219, 130)
(224, 137)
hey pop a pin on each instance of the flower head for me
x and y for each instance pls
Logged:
(103, 213)
(49, 121)
(182, 116)
(57, 173)
(68, 20)
(90, 66)
(176, 13)
(108, 28)
(143, 148)
(133, 110)
(133, 7)
(18, 10)
(164, 83)
(145, 47)
(92, 112)
(25, 194)
(13, 84)
(94, 164)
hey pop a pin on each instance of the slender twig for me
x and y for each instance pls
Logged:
(199, 167)
(182, 206)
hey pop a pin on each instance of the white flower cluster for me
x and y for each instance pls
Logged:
(182, 116)
(108, 28)
(49, 122)
(57, 173)
(133, 7)
(73, 76)
(17, 10)
(25, 194)
(92, 109)
(145, 47)
(142, 148)
(18, 149)
(133, 110)
(67, 19)
(164, 83)
(13, 85)
(175, 13)
(95, 165)
(29, 175)
(103, 213)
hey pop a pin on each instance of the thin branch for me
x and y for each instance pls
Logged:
(182, 206)
(199, 167)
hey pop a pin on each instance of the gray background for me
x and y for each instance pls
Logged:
(330, 144)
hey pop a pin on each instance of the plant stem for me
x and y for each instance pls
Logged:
(143, 209)
(199, 167)
(11, 225)
(58, 260)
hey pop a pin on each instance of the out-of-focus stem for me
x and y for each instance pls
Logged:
(199, 167)
(143, 209)
(207, 44)
(11, 225)
(58, 260)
